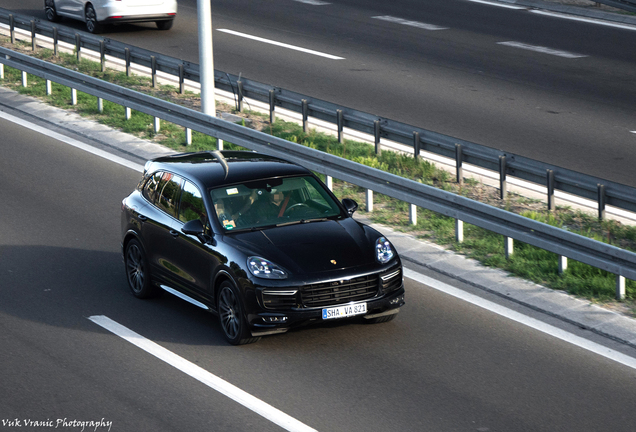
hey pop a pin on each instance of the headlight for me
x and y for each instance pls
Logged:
(383, 250)
(262, 268)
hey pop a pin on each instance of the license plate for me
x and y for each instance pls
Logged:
(344, 311)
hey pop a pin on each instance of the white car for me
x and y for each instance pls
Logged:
(97, 13)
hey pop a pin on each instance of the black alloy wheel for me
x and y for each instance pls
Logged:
(50, 11)
(231, 316)
(137, 271)
(91, 20)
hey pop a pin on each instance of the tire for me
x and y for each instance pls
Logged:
(164, 25)
(50, 11)
(381, 319)
(137, 273)
(231, 317)
(91, 20)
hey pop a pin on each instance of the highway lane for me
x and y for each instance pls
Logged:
(442, 365)
(461, 81)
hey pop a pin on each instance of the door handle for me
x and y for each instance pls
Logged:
(174, 233)
(142, 218)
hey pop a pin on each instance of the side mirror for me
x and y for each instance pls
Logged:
(350, 205)
(194, 227)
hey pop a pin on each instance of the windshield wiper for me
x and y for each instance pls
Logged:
(301, 221)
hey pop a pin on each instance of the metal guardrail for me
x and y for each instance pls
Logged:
(602, 191)
(564, 243)
(619, 4)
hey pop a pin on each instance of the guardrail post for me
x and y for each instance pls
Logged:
(127, 59)
(78, 46)
(181, 79)
(239, 86)
(157, 124)
(128, 113)
(369, 200)
(550, 181)
(1, 70)
(49, 89)
(417, 145)
(73, 96)
(376, 134)
(272, 105)
(55, 40)
(188, 136)
(153, 70)
(219, 144)
(304, 105)
(459, 231)
(102, 55)
(12, 28)
(100, 105)
(509, 244)
(503, 184)
(340, 125)
(459, 159)
(33, 39)
(563, 264)
(413, 214)
(601, 201)
(24, 79)
(329, 182)
(620, 287)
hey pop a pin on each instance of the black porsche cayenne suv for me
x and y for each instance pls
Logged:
(259, 241)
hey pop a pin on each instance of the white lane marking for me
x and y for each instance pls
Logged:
(502, 5)
(523, 319)
(247, 400)
(587, 20)
(71, 141)
(280, 44)
(541, 49)
(405, 22)
(313, 2)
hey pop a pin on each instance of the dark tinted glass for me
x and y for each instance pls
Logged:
(151, 187)
(169, 188)
(192, 206)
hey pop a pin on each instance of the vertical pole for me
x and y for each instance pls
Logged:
(55, 39)
(12, 28)
(329, 182)
(459, 159)
(128, 113)
(620, 287)
(550, 181)
(503, 184)
(272, 105)
(369, 200)
(49, 89)
(563, 264)
(24, 79)
(157, 124)
(219, 144)
(33, 40)
(601, 201)
(181, 79)
(102, 55)
(100, 105)
(459, 231)
(304, 105)
(239, 85)
(188, 136)
(206, 57)
(127, 58)
(340, 125)
(417, 145)
(78, 46)
(413, 214)
(153, 70)
(376, 135)
(1, 70)
(508, 246)
(73, 96)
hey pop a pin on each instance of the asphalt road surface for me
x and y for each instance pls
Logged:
(551, 89)
(442, 365)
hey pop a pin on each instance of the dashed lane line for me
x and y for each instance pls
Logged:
(409, 23)
(543, 50)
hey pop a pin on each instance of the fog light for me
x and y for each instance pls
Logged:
(275, 319)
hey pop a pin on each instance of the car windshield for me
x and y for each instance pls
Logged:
(273, 202)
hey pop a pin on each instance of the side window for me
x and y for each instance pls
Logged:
(151, 187)
(168, 193)
(192, 206)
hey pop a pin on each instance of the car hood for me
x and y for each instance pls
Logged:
(312, 247)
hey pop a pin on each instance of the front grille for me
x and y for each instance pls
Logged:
(391, 280)
(339, 292)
